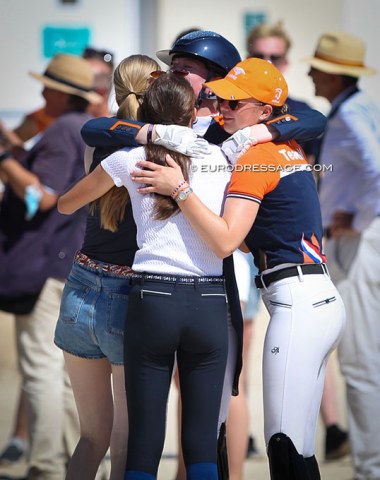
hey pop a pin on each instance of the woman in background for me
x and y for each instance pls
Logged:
(94, 306)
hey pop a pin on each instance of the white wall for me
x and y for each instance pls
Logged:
(362, 19)
(116, 26)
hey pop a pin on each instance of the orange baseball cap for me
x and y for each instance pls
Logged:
(252, 78)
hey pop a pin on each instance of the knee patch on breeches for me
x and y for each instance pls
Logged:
(284, 461)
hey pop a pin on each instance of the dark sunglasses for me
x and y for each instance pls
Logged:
(103, 55)
(235, 104)
(273, 58)
(158, 73)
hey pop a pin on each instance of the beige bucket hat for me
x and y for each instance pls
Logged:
(69, 74)
(340, 53)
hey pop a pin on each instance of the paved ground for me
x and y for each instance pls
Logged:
(255, 469)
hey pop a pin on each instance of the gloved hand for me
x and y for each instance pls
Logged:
(235, 146)
(181, 139)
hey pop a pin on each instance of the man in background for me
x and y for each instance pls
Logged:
(36, 122)
(32, 126)
(350, 202)
(272, 42)
(37, 246)
(102, 65)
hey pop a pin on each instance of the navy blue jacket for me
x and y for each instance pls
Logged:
(302, 125)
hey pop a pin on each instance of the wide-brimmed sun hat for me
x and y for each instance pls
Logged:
(340, 53)
(252, 78)
(69, 74)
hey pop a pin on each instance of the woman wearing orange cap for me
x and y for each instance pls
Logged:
(272, 210)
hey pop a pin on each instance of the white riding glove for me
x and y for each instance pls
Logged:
(181, 139)
(235, 146)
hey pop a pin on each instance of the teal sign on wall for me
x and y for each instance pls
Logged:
(251, 19)
(64, 40)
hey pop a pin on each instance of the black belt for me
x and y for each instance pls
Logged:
(267, 279)
(173, 278)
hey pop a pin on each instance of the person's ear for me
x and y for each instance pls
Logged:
(266, 113)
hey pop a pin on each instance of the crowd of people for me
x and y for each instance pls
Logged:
(121, 253)
(49, 403)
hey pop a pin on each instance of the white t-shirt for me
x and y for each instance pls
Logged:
(171, 246)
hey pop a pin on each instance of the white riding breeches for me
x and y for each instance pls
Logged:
(307, 319)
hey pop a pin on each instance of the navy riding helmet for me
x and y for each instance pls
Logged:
(218, 54)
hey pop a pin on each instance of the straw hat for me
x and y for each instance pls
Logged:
(340, 53)
(69, 74)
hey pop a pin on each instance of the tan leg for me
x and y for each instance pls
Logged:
(91, 383)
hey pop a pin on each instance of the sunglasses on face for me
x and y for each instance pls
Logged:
(158, 73)
(235, 104)
(272, 58)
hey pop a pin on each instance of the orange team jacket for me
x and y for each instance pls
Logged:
(288, 226)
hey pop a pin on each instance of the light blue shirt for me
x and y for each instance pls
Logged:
(351, 146)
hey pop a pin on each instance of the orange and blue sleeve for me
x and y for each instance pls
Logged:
(110, 132)
(302, 125)
(252, 178)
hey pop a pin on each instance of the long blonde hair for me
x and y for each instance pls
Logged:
(131, 79)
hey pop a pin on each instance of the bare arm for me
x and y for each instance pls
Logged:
(141, 136)
(88, 189)
(19, 178)
(222, 234)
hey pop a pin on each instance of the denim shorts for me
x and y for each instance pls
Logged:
(92, 314)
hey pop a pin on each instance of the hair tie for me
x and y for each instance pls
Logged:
(137, 95)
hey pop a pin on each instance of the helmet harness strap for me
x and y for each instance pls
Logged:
(203, 95)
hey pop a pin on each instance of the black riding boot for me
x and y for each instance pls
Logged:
(312, 468)
(284, 461)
